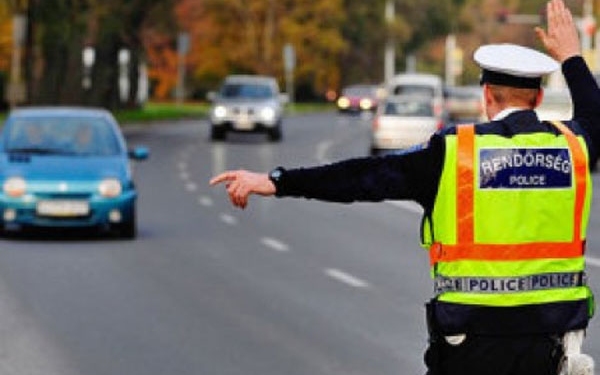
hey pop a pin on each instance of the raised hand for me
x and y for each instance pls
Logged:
(561, 40)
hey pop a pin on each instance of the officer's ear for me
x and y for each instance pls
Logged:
(488, 96)
(539, 97)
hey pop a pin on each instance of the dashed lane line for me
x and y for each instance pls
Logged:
(228, 219)
(205, 201)
(191, 186)
(594, 262)
(346, 278)
(275, 244)
(184, 175)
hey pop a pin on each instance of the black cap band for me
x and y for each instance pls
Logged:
(503, 79)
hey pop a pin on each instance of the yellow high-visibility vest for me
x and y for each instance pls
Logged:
(509, 222)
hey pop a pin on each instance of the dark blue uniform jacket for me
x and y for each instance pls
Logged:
(414, 175)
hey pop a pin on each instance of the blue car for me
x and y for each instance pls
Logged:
(64, 167)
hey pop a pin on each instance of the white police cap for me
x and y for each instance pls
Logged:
(513, 65)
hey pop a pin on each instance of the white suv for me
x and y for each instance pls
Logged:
(247, 103)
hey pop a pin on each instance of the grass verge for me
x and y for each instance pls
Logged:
(161, 111)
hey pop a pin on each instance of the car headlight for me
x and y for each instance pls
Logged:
(366, 103)
(267, 113)
(220, 111)
(14, 187)
(343, 102)
(110, 188)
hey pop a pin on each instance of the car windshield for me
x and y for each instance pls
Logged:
(409, 108)
(359, 91)
(246, 91)
(61, 135)
(464, 93)
(414, 90)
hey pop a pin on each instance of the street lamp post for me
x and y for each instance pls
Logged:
(88, 57)
(389, 54)
(124, 58)
(183, 47)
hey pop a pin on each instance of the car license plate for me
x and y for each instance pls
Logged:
(243, 123)
(63, 208)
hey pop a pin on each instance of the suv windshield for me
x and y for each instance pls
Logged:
(246, 91)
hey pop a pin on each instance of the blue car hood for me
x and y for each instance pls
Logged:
(57, 167)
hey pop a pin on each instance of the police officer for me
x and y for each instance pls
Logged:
(506, 206)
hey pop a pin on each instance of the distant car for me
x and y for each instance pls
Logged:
(418, 84)
(464, 103)
(402, 122)
(247, 103)
(358, 98)
(69, 168)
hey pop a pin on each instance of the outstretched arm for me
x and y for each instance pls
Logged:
(241, 184)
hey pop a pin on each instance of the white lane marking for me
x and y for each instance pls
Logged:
(182, 166)
(190, 186)
(205, 201)
(346, 278)
(590, 261)
(228, 219)
(184, 175)
(408, 206)
(274, 244)
(323, 149)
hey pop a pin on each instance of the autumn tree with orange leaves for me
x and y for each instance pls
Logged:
(5, 37)
(336, 42)
(234, 36)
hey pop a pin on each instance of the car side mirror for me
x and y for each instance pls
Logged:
(139, 153)
(211, 96)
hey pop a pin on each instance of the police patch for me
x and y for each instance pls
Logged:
(524, 168)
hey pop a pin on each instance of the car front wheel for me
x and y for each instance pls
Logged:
(217, 133)
(128, 228)
(275, 133)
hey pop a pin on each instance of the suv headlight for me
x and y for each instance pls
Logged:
(267, 114)
(14, 187)
(220, 111)
(110, 188)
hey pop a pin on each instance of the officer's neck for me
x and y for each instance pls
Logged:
(506, 112)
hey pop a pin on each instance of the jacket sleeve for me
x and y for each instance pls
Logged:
(586, 101)
(411, 175)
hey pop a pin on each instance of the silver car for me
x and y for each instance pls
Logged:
(247, 103)
(404, 121)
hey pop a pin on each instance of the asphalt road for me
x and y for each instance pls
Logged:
(286, 286)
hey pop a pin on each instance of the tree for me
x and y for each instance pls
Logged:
(116, 28)
(56, 32)
(5, 36)
(234, 36)
(163, 61)
(60, 29)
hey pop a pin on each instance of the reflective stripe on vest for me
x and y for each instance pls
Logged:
(465, 248)
(517, 284)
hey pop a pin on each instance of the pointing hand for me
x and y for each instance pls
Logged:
(241, 184)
